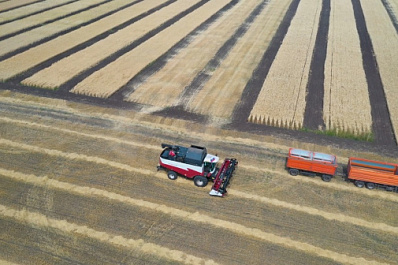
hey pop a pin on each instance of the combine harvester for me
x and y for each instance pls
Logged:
(195, 163)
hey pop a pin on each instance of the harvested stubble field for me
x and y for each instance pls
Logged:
(222, 62)
(78, 159)
(79, 185)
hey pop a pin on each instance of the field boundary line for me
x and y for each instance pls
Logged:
(274, 202)
(37, 219)
(193, 216)
(336, 186)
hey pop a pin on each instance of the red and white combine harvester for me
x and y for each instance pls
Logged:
(195, 163)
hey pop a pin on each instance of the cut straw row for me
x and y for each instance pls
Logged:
(112, 77)
(65, 69)
(281, 101)
(165, 86)
(346, 101)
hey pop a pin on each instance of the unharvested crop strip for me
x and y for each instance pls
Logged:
(313, 115)
(252, 89)
(346, 103)
(64, 70)
(37, 219)
(62, 26)
(26, 60)
(274, 202)
(8, 5)
(112, 77)
(385, 45)
(382, 121)
(164, 87)
(235, 71)
(33, 9)
(46, 17)
(196, 217)
(207, 72)
(281, 102)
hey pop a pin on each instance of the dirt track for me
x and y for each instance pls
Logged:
(78, 188)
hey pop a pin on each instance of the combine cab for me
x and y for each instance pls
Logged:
(195, 163)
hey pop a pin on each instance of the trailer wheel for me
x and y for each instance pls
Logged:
(326, 178)
(200, 181)
(294, 172)
(370, 185)
(359, 184)
(172, 175)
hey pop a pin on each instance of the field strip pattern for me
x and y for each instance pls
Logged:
(45, 31)
(281, 101)
(336, 186)
(385, 44)
(179, 71)
(15, 3)
(65, 69)
(235, 71)
(346, 102)
(36, 55)
(38, 19)
(30, 9)
(193, 216)
(37, 219)
(119, 72)
(275, 202)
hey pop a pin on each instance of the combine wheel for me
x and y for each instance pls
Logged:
(200, 181)
(172, 175)
(293, 171)
(359, 184)
(326, 178)
(370, 185)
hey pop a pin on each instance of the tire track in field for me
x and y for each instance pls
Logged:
(42, 220)
(274, 202)
(332, 185)
(36, 219)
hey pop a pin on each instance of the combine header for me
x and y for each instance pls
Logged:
(195, 163)
(223, 176)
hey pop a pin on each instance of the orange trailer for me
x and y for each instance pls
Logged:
(311, 163)
(372, 174)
